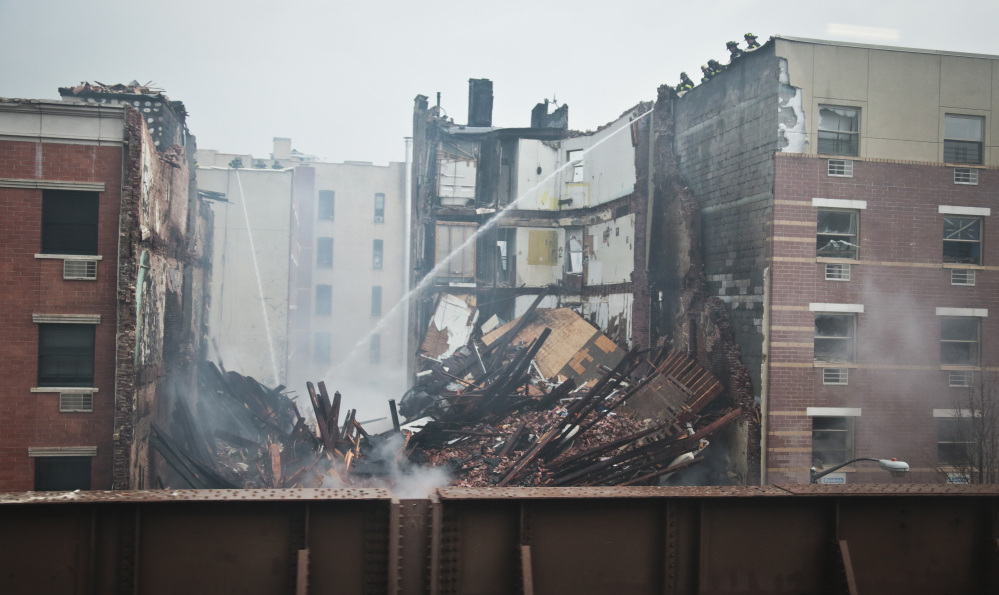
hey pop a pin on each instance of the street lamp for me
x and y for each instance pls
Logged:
(896, 467)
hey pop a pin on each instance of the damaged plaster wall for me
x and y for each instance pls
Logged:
(791, 114)
(610, 251)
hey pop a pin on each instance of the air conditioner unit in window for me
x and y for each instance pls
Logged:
(841, 168)
(835, 376)
(79, 270)
(76, 402)
(379, 219)
(837, 272)
(959, 378)
(964, 277)
(966, 175)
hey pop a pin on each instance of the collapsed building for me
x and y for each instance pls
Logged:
(690, 221)
(106, 285)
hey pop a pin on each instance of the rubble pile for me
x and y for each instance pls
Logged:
(487, 413)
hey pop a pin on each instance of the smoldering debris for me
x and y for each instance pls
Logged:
(485, 416)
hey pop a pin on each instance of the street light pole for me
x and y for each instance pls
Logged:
(894, 466)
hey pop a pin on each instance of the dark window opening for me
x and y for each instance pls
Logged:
(69, 222)
(379, 208)
(832, 441)
(837, 234)
(375, 353)
(66, 354)
(377, 253)
(321, 348)
(959, 339)
(326, 203)
(324, 253)
(324, 299)
(62, 473)
(839, 130)
(376, 300)
(834, 338)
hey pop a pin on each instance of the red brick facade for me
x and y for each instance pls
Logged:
(896, 379)
(30, 285)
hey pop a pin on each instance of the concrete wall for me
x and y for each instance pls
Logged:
(903, 94)
(727, 132)
(251, 238)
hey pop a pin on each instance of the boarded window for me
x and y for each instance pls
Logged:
(962, 241)
(959, 341)
(837, 234)
(377, 254)
(542, 247)
(834, 337)
(324, 299)
(326, 204)
(839, 130)
(832, 441)
(324, 253)
(376, 300)
(963, 138)
(69, 222)
(66, 354)
(456, 246)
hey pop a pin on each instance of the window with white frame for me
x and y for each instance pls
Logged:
(66, 355)
(955, 439)
(839, 130)
(379, 208)
(832, 440)
(962, 240)
(959, 340)
(837, 233)
(835, 337)
(964, 139)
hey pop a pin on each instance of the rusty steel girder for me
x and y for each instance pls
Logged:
(899, 538)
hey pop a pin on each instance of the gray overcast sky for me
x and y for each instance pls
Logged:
(339, 78)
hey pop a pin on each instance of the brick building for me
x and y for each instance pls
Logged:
(103, 288)
(845, 196)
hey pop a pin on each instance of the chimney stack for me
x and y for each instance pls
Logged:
(480, 102)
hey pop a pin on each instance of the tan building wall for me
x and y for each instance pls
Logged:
(903, 94)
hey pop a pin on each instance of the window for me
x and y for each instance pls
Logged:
(62, 473)
(835, 376)
(955, 440)
(66, 355)
(832, 441)
(964, 137)
(966, 176)
(839, 130)
(376, 300)
(375, 349)
(959, 378)
(837, 234)
(321, 343)
(959, 341)
(69, 222)
(326, 202)
(324, 299)
(379, 208)
(377, 253)
(840, 168)
(834, 337)
(324, 253)
(450, 237)
(577, 167)
(962, 240)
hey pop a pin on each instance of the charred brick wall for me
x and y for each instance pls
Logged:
(35, 286)
(726, 136)
(897, 378)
